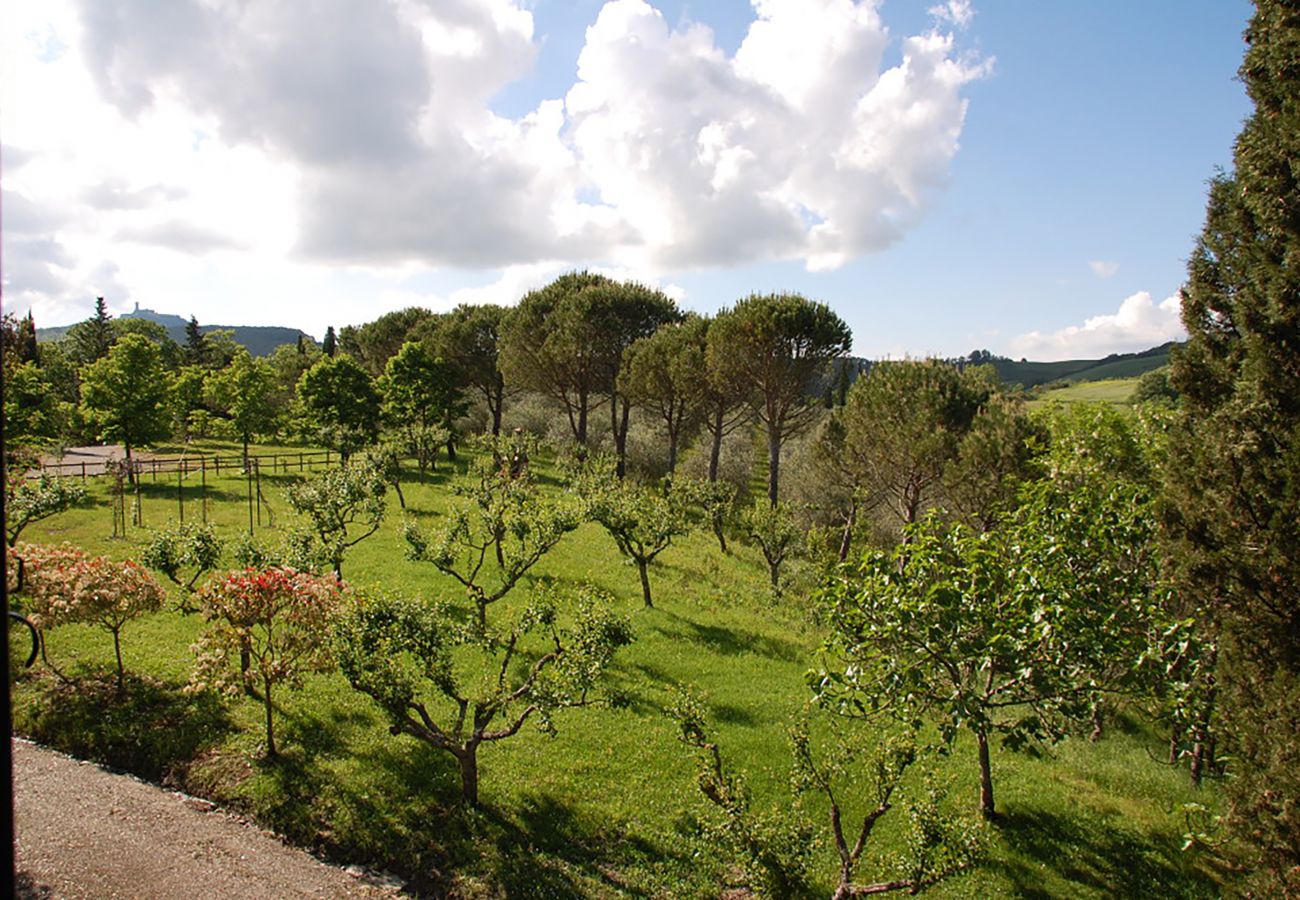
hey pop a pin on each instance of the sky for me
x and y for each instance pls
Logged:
(1027, 178)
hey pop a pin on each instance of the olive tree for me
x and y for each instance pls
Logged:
(343, 506)
(456, 687)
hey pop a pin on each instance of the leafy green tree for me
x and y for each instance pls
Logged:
(903, 426)
(330, 345)
(469, 339)
(279, 617)
(126, 395)
(1011, 631)
(566, 341)
(503, 519)
(776, 532)
(243, 393)
(939, 846)
(420, 395)
(32, 413)
(723, 404)
(340, 402)
(154, 331)
(456, 688)
(189, 403)
(666, 374)
(190, 545)
(995, 456)
(375, 343)
(714, 500)
(344, 506)
(29, 500)
(1233, 478)
(776, 348)
(1155, 387)
(641, 520)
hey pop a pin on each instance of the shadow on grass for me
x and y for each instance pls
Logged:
(1103, 857)
(150, 728)
(545, 850)
(732, 641)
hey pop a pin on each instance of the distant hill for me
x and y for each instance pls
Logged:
(1028, 374)
(260, 340)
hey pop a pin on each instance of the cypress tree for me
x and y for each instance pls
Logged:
(1234, 490)
(331, 342)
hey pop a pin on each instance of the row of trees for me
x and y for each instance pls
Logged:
(586, 343)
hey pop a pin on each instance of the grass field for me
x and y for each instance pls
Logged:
(1115, 391)
(608, 806)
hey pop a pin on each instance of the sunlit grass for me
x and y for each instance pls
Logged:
(608, 806)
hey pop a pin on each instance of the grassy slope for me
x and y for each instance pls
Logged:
(1115, 391)
(608, 807)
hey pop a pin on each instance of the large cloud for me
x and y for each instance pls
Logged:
(1139, 324)
(798, 146)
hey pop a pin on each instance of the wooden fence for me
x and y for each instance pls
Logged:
(152, 467)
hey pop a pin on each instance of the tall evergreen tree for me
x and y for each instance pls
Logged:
(28, 351)
(92, 338)
(331, 343)
(1235, 476)
(196, 345)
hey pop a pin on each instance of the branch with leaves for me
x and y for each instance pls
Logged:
(456, 687)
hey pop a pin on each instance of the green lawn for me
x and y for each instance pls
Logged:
(1115, 391)
(608, 806)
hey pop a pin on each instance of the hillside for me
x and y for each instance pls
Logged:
(1117, 365)
(260, 340)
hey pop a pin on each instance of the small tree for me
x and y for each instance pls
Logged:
(714, 500)
(68, 586)
(413, 659)
(1011, 631)
(504, 520)
(280, 617)
(344, 506)
(189, 546)
(29, 500)
(776, 532)
(641, 520)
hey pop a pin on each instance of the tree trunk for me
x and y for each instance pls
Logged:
(774, 574)
(495, 402)
(117, 650)
(581, 434)
(717, 531)
(773, 462)
(643, 568)
(986, 777)
(715, 454)
(846, 538)
(1097, 722)
(468, 759)
(270, 727)
(1175, 735)
(397, 486)
(620, 435)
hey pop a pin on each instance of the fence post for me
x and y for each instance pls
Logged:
(180, 489)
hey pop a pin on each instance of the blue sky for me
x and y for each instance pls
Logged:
(1027, 178)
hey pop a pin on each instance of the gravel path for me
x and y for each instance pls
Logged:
(84, 832)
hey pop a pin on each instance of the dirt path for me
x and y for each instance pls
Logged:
(84, 832)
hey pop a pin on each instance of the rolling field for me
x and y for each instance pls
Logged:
(608, 806)
(1115, 391)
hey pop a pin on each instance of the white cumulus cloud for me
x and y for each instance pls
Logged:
(337, 133)
(1139, 324)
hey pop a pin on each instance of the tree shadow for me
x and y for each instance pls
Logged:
(151, 728)
(1105, 858)
(547, 851)
(732, 641)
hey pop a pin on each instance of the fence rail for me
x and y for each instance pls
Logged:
(270, 463)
